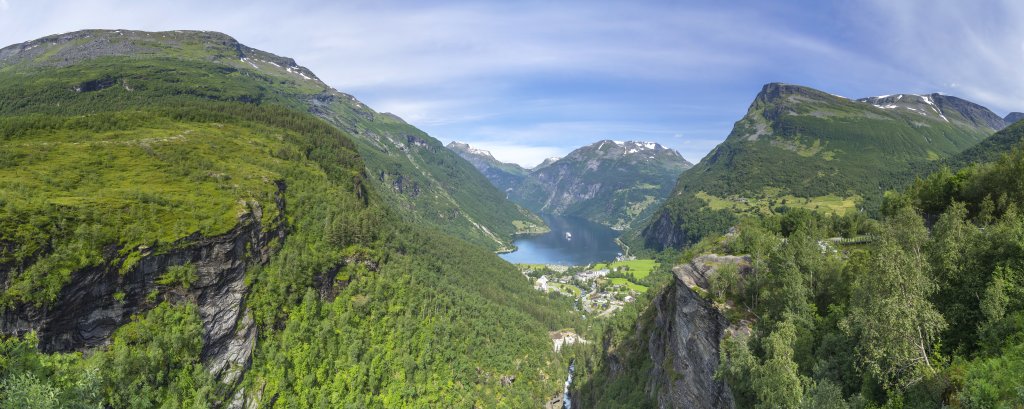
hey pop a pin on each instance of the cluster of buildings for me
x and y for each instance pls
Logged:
(596, 295)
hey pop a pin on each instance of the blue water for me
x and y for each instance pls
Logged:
(590, 243)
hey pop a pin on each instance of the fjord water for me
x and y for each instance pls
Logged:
(590, 243)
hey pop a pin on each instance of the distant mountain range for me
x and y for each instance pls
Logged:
(800, 147)
(610, 182)
(504, 176)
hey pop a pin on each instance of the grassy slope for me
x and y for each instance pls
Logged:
(439, 188)
(436, 185)
(990, 149)
(180, 145)
(803, 144)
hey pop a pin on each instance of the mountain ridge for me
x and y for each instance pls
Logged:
(227, 244)
(413, 168)
(798, 146)
(610, 182)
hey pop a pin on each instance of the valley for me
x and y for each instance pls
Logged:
(570, 241)
(188, 221)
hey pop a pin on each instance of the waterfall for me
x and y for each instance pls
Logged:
(566, 401)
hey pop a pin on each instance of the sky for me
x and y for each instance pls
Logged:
(529, 80)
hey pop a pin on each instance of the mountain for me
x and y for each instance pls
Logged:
(504, 176)
(800, 147)
(188, 221)
(547, 162)
(948, 108)
(991, 148)
(1013, 117)
(608, 182)
(432, 184)
(783, 313)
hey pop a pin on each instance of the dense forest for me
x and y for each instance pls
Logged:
(354, 306)
(927, 314)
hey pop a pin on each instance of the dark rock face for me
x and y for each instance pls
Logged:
(86, 312)
(684, 350)
(663, 233)
(973, 113)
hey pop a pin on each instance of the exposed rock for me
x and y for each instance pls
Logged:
(664, 233)
(684, 344)
(556, 402)
(678, 339)
(699, 270)
(86, 312)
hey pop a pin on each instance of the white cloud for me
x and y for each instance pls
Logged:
(4, 5)
(949, 44)
(568, 73)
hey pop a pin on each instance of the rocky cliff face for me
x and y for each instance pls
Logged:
(673, 354)
(99, 300)
(684, 342)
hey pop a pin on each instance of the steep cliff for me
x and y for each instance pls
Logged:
(673, 352)
(100, 299)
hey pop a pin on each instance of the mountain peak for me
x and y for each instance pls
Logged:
(627, 147)
(547, 162)
(775, 91)
(465, 147)
(61, 50)
(1013, 117)
(938, 106)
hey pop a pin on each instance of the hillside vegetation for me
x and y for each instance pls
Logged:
(800, 147)
(927, 314)
(118, 147)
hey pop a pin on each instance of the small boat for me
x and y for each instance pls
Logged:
(568, 236)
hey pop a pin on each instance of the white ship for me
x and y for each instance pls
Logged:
(568, 236)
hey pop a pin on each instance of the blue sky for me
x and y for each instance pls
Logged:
(533, 79)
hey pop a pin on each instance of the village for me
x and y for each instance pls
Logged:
(600, 289)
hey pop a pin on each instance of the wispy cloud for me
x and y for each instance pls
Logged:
(971, 50)
(557, 75)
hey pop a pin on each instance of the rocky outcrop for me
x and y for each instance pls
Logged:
(99, 300)
(684, 343)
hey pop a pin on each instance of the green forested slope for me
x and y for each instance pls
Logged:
(991, 148)
(431, 184)
(927, 314)
(113, 149)
(799, 147)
